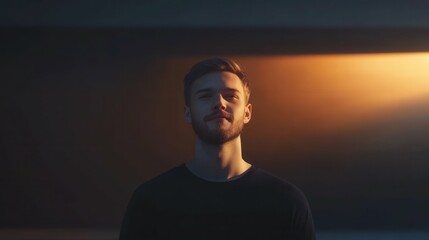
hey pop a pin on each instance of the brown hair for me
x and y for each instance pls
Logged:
(216, 64)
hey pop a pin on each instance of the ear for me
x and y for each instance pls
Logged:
(187, 114)
(247, 113)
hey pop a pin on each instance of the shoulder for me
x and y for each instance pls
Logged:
(279, 185)
(293, 198)
(164, 180)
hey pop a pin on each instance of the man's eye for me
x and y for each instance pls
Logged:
(204, 96)
(232, 96)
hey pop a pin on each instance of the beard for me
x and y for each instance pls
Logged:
(218, 135)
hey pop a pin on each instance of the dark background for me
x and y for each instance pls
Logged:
(91, 106)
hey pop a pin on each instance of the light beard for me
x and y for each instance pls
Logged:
(217, 136)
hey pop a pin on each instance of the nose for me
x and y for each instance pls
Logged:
(219, 103)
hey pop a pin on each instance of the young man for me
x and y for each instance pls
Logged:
(217, 194)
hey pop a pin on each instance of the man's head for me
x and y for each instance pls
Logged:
(214, 65)
(217, 100)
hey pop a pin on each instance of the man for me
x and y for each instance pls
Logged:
(217, 194)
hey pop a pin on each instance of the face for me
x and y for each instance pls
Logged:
(218, 108)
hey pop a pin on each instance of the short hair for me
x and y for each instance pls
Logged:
(216, 64)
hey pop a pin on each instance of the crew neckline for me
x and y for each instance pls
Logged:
(242, 176)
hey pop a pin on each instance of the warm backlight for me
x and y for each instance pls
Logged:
(316, 94)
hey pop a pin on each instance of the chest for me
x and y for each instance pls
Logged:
(222, 212)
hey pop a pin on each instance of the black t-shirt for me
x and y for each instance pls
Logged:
(179, 205)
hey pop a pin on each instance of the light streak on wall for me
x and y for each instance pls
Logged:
(312, 94)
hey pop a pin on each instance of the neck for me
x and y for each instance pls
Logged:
(218, 162)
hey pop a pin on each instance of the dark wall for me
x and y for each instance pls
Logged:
(221, 13)
(88, 114)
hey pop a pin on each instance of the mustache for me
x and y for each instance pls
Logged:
(217, 114)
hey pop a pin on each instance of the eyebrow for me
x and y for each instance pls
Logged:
(211, 90)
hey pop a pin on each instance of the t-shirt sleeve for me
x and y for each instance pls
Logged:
(302, 221)
(138, 222)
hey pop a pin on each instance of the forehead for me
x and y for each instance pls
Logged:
(218, 81)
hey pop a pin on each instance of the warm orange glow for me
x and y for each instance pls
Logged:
(325, 93)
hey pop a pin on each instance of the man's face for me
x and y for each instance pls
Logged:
(218, 108)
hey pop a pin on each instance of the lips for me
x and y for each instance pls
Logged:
(216, 116)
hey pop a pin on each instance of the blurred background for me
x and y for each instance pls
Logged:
(91, 100)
